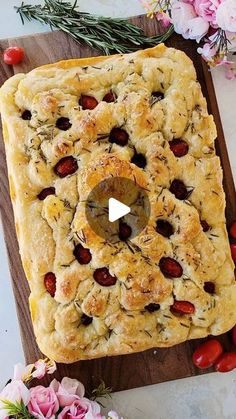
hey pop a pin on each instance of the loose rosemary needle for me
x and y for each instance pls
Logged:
(106, 34)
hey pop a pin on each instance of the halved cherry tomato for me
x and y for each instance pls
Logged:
(179, 147)
(13, 55)
(207, 353)
(50, 283)
(234, 335)
(182, 307)
(205, 225)
(179, 189)
(66, 166)
(82, 254)
(233, 230)
(88, 102)
(226, 362)
(233, 251)
(119, 136)
(103, 277)
(170, 267)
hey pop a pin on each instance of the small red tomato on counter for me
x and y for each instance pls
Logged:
(207, 353)
(13, 55)
(234, 335)
(226, 362)
(233, 251)
(232, 230)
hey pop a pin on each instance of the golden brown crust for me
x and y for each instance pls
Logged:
(48, 230)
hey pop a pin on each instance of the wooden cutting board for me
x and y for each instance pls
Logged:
(121, 372)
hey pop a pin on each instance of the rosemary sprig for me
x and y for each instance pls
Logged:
(101, 392)
(106, 34)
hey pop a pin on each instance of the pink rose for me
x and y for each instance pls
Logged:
(43, 402)
(82, 409)
(207, 51)
(226, 15)
(181, 13)
(67, 391)
(207, 9)
(14, 392)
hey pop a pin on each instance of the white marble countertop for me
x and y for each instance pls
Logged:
(212, 396)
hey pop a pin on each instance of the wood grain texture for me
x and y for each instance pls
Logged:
(128, 371)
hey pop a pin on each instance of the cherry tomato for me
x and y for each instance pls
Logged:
(233, 230)
(226, 362)
(179, 147)
(103, 277)
(170, 267)
(88, 102)
(66, 166)
(207, 353)
(234, 335)
(50, 283)
(182, 307)
(13, 55)
(233, 251)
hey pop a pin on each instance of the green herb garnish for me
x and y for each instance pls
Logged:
(104, 33)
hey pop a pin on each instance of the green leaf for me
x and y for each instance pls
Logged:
(17, 409)
(101, 392)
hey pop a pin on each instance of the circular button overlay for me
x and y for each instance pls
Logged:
(120, 191)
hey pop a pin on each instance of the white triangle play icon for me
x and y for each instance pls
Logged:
(117, 209)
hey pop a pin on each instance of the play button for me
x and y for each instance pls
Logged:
(117, 209)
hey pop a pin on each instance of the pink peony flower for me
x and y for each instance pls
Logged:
(43, 402)
(196, 28)
(207, 9)
(186, 22)
(14, 392)
(207, 51)
(181, 13)
(67, 391)
(81, 409)
(226, 15)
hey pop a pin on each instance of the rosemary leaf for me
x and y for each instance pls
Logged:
(106, 34)
(100, 392)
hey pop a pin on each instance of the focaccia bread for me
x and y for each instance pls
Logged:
(141, 116)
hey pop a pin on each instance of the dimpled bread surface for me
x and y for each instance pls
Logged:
(77, 317)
